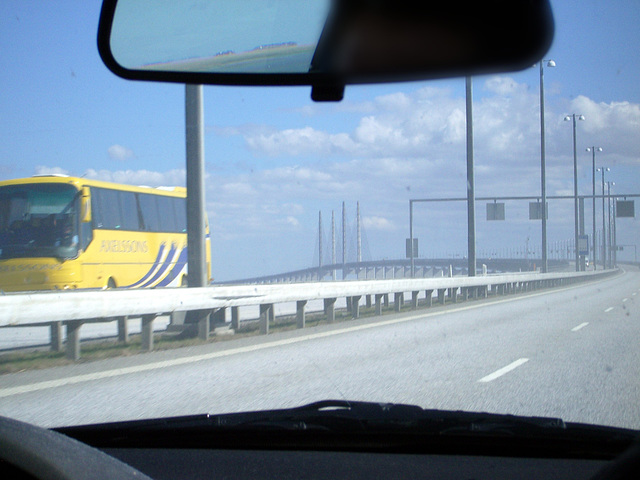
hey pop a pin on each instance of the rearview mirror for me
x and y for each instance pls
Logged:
(323, 43)
(85, 205)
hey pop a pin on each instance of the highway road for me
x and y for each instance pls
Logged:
(571, 353)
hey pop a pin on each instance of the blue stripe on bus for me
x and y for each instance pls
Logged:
(176, 270)
(153, 267)
(165, 266)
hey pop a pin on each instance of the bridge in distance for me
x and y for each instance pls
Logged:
(401, 268)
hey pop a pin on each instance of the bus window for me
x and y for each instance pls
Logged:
(181, 214)
(149, 209)
(105, 207)
(128, 211)
(168, 214)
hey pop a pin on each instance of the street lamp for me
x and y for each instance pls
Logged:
(543, 166)
(604, 231)
(593, 199)
(568, 118)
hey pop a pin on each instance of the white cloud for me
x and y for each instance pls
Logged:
(377, 223)
(504, 86)
(292, 221)
(150, 178)
(615, 126)
(44, 170)
(120, 153)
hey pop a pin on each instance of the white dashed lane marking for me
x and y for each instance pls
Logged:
(582, 325)
(503, 370)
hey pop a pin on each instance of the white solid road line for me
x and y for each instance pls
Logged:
(582, 325)
(88, 377)
(503, 370)
(608, 310)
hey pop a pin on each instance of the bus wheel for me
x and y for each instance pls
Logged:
(111, 283)
(184, 282)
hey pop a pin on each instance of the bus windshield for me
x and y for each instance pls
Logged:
(38, 220)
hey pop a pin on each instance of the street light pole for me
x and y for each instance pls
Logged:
(575, 117)
(196, 242)
(604, 231)
(413, 264)
(593, 198)
(609, 223)
(543, 167)
(471, 195)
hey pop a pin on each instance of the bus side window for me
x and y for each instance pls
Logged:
(167, 214)
(181, 214)
(128, 212)
(149, 210)
(141, 222)
(105, 207)
(96, 208)
(86, 234)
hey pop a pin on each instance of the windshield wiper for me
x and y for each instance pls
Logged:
(365, 426)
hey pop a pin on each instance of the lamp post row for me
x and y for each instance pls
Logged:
(574, 118)
(543, 183)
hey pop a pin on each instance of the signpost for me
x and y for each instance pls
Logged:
(583, 245)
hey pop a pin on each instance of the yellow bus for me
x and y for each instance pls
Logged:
(59, 232)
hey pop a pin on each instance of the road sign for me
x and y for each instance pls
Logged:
(625, 208)
(535, 210)
(415, 248)
(495, 211)
(583, 245)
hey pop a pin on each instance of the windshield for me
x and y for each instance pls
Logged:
(38, 220)
(349, 253)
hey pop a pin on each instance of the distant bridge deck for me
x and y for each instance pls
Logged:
(385, 269)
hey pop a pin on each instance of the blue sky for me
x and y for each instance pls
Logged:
(274, 158)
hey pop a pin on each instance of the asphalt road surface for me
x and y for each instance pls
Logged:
(572, 353)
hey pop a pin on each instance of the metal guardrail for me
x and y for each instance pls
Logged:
(72, 309)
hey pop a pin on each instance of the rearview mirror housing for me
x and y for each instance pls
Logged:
(85, 205)
(322, 43)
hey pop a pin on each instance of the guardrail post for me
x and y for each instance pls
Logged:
(368, 301)
(379, 303)
(73, 339)
(217, 318)
(235, 318)
(300, 313)
(386, 300)
(203, 319)
(414, 300)
(355, 307)
(123, 329)
(453, 294)
(330, 309)
(397, 301)
(146, 335)
(265, 316)
(56, 336)
(441, 292)
(428, 295)
(484, 291)
(464, 293)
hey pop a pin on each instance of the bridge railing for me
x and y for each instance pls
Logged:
(73, 309)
